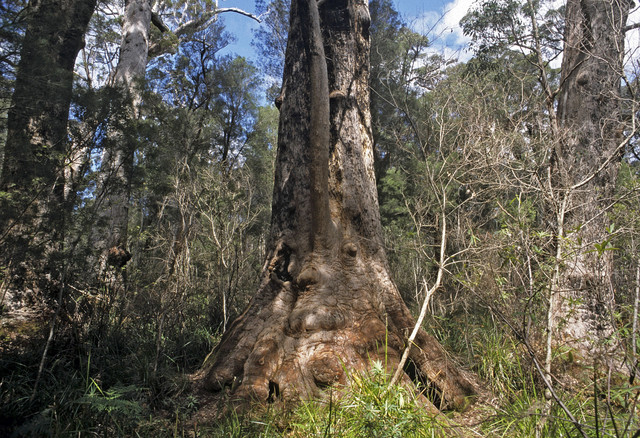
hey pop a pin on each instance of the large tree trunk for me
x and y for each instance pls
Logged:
(114, 186)
(589, 111)
(32, 205)
(326, 303)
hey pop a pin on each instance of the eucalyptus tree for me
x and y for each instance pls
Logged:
(580, 134)
(194, 201)
(11, 32)
(271, 38)
(399, 63)
(586, 163)
(114, 182)
(33, 205)
(326, 302)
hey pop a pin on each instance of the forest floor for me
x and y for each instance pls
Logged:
(102, 381)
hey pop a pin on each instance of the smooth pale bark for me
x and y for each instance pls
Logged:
(32, 205)
(134, 48)
(326, 304)
(589, 113)
(114, 186)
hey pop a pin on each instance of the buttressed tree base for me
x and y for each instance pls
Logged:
(326, 303)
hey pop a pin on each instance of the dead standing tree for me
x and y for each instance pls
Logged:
(326, 302)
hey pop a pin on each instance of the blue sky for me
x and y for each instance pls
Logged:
(416, 8)
(436, 18)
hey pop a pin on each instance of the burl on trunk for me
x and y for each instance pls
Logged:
(326, 304)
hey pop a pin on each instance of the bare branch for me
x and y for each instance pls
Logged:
(631, 27)
(239, 11)
(541, 372)
(427, 298)
(613, 155)
(190, 27)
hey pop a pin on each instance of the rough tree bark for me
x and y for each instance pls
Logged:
(589, 110)
(326, 303)
(33, 206)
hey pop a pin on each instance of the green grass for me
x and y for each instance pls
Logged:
(366, 409)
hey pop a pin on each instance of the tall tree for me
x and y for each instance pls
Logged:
(588, 160)
(116, 172)
(234, 104)
(11, 33)
(397, 58)
(271, 39)
(114, 185)
(326, 302)
(33, 207)
(587, 138)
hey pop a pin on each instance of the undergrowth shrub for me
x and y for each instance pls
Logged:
(366, 408)
(371, 409)
(603, 401)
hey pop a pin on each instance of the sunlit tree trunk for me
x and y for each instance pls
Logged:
(326, 303)
(32, 201)
(589, 112)
(114, 185)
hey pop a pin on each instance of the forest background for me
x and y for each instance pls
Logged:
(142, 232)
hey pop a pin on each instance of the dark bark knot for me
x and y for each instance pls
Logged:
(307, 277)
(281, 265)
(274, 392)
(118, 257)
(350, 249)
(582, 78)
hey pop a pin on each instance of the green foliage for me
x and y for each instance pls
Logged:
(599, 402)
(496, 26)
(599, 416)
(104, 382)
(102, 40)
(109, 407)
(366, 408)
(270, 39)
(463, 146)
(394, 211)
(401, 70)
(200, 202)
(370, 410)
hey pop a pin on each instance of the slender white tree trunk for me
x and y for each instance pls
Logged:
(114, 185)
